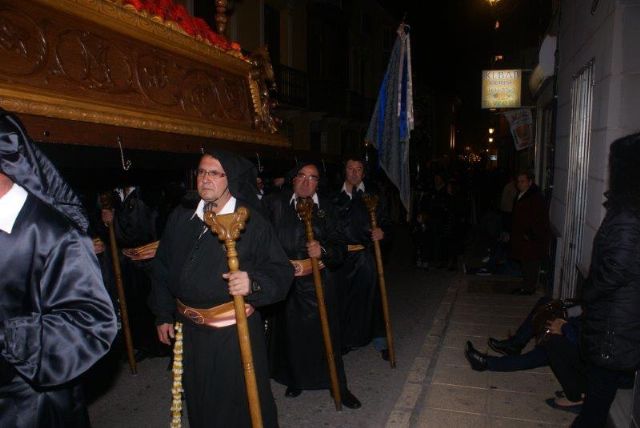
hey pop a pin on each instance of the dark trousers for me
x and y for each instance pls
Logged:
(525, 331)
(602, 385)
(567, 365)
(530, 271)
(537, 357)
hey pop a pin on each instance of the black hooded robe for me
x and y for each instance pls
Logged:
(361, 316)
(297, 352)
(56, 319)
(188, 266)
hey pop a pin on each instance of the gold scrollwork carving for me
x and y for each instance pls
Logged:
(103, 66)
(23, 48)
(86, 112)
(215, 96)
(157, 79)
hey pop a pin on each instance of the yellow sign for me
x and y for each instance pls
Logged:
(501, 88)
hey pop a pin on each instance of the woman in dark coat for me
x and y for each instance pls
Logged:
(611, 331)
(529, 231)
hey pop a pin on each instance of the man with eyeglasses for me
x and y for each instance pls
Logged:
(297, 348)
(192, 284)
(361, 318)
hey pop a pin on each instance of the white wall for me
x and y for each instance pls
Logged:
(611, 36)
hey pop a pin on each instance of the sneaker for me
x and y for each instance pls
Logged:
(484, 272)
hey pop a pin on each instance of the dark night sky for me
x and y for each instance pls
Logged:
(453, 40)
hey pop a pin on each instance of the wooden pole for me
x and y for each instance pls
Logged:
(371, 201)
(228, 228)
(107, 204)
(305, 211)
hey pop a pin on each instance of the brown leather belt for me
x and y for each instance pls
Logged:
(217, 317)
(304, 267)
(144, 252)
(355, 247)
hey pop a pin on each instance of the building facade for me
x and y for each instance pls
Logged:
(597, 83)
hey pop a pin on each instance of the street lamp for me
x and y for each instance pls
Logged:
(492, 2)
(491, 139)
(491, 130)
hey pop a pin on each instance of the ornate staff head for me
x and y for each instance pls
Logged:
(371, 201)
(304, 208)
(228, 228)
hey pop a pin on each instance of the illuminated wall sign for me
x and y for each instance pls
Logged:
(501, 88)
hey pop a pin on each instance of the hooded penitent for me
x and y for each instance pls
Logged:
(21, 161)
(56, 319)
(241, 176)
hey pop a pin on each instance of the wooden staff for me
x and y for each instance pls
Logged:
(228, 228)
(305, 211)
(371, 201)
(107, 204)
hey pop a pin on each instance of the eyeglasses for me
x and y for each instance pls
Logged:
(314, 178)
(202, 173)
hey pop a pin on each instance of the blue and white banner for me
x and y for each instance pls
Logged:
(392, 120)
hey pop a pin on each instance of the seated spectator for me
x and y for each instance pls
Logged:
(557, 347)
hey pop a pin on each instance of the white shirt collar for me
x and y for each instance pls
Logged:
(294, 199)
(124, 193)
(10, 205)
(228, 208)
(360, 187)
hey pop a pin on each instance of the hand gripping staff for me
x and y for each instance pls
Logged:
(228, 228)
(371, 201)
(305, 211)
(107, 204)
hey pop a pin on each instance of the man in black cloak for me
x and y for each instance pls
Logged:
(298, 357)
(56, 319)
(136, 224)
(191, 276)
(361, 317)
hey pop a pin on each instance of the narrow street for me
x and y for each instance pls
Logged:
(414, 295)
(434, 313)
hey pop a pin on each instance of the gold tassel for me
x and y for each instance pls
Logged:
(176, 389)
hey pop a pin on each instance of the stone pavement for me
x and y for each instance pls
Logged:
(441, 390)
(126, 401)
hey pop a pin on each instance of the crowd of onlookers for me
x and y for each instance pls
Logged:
(592, 341)
(440, 221)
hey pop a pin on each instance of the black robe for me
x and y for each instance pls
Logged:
(188, 266)
(56, 319)
(135, 224)
(360, 305)
(297, 351)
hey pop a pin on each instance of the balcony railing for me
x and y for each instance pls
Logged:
(293, 87)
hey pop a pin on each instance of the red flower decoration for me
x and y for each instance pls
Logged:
(137, 4)
(195, 27)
